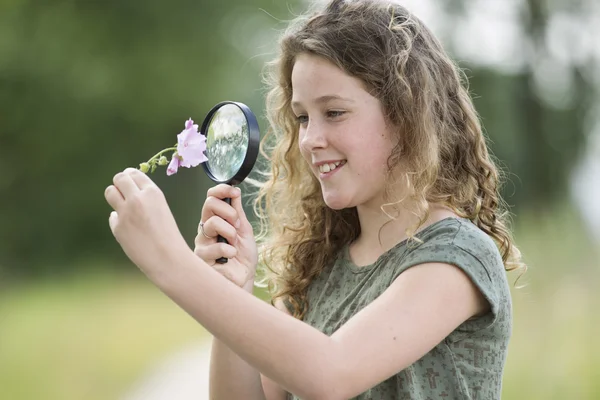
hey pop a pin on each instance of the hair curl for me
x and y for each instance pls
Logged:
(440, 144)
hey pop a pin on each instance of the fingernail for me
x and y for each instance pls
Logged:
(237, 191)
(238, 223)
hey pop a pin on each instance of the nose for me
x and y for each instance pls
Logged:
(312, 137)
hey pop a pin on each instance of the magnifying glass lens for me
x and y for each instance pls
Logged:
(226, 142)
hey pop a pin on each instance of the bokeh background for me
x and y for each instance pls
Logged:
(88, 88)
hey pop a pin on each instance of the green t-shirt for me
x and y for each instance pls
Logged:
(468, 364)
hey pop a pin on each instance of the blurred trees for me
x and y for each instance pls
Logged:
(88, 88)
(539, 118)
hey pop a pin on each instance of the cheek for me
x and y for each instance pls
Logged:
(375, 153)
(378, 162)
(305, 154)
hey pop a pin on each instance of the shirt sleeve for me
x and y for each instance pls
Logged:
(476, 255)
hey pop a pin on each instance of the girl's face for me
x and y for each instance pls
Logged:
(343, 133)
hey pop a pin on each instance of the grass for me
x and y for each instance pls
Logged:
(555, 352)
(88, 338)
(92, 336)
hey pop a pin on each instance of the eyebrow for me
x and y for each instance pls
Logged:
(325, 99)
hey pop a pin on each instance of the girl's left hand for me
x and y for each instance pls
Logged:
(142, 222)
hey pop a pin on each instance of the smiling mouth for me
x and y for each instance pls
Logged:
(325, 168)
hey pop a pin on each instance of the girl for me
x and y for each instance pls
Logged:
(384, 236)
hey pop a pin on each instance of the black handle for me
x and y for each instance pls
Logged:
(221, 239)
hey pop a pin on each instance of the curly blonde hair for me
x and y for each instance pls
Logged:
(443, 151)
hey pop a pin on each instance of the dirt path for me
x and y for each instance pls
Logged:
(181, 376)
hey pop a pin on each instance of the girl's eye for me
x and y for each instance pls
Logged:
(302, 119)
(335, 114)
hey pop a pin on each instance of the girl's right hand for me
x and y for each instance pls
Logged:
(229, 221)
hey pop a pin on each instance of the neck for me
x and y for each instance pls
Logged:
(379, 233)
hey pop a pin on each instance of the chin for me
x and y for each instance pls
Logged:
(336, 207)
(337, 202)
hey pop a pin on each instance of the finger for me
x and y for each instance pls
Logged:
(113, 197)
(236, 203)
(142, 180)
(113, 221)
(215, 226)
(125, 184)
(209, 253)
(222, 191)
(216, 207)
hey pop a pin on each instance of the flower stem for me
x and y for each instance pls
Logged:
(161, 152)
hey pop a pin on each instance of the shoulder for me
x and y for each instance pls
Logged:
(460, 243)
(455, 238)
(455, 230)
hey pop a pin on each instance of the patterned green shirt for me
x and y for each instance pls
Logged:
(468, 364)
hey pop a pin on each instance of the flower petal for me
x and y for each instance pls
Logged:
(192, 152)
(191, 146)
(173, 166)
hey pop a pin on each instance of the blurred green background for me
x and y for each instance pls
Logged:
(88, 88)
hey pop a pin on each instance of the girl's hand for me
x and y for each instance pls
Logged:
(229, 221)
(142, 222)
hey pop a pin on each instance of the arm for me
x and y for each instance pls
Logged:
(273, 391)
(230, 376)
(233, 378)
(423, 306)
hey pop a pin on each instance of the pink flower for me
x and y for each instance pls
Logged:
(173, 165)
(190, 146)
(188, 152)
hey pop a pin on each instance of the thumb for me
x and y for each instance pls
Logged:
(113, 221)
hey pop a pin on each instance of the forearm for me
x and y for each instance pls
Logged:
(298, 357)
(231, 377)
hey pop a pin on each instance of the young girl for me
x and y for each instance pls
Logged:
(385, 238)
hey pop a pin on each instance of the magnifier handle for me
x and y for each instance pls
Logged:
(221, 239)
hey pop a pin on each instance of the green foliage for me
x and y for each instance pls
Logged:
(90, 88)
(537, 145)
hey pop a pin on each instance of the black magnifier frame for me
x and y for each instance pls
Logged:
(249, 159)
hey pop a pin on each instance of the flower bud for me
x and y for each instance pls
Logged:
(163, 160)
(144, 167)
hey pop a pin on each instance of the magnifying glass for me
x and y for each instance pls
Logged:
(232, 140)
